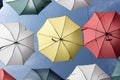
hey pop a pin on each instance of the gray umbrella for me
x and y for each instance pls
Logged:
(42, 74)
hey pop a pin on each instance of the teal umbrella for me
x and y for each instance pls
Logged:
(23, 7)
(116, 72)
(42, 74)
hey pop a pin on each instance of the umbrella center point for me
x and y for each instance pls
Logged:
(16, 42)
(107, 34)
(61, 39)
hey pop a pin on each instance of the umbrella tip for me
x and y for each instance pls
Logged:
(16, 42)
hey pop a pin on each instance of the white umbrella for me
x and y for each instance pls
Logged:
(16, 43)
(88, 72)
(73, 4)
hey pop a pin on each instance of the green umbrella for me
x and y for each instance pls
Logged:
(23, 7)
(116, 73)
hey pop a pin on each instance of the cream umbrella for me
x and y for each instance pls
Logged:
(16, 43)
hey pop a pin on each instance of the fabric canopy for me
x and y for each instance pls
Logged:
(60, 39)
(16, 43)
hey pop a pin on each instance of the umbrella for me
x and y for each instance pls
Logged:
(16, 43)
(23, 7)
(5, 76)
(88, 72)
(1, 3)
(73, 4)
(42, 74)
(101, 34)
(116, 72)
(59, 39)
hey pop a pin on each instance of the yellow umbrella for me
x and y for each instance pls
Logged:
(59, 39)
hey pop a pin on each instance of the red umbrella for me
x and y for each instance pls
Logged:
(102, 34)
(5, 76)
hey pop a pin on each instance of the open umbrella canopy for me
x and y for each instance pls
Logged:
(73, 4)
(1, 4)
(23, 7)
(116, 72)
(60, 39)
(42, 74)
(88, 72)
(102, 34)
(5, 76)
(16, 43)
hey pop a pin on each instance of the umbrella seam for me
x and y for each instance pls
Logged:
(67, 51)
(94, 39)
(6, 39)
(82, 73)
(115, 30)
(35, 6)
(100, 21)
(73, 5)
(54, 28)
(101, 48)
(9, 31)
(113, 49)
(71, 33)
(26, 37)
(63, 26)
(24, 7)
(57, 51)
(18, 32)
(47, 35)
(12, 55)
(92, 72)
(72, 42)
(47, 46)
(100, 75)
(111, 21)
(27, 47)
(21, 54)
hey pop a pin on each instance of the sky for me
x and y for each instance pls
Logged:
(35, 22)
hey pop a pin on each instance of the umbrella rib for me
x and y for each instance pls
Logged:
(115, 30)
(94, 30)
(57, 51)
(113, 48)
(18, 32)
(111, 22)
(100, 75)
(6, 39)
(47, 35)
(73, 43)
(101, 22)
(67, 50)
(94, 39)
(9, 31)
(92, 73)
(115, 37)
(26, 37)
(54, 28)
(20, 53)
(12, 55)
(101, 48)
(27, 46)
(35, 6)
(71, 33)
(47, 46)
(24, 7)
(82, 73)
(63, 26)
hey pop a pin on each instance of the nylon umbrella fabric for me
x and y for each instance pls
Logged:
(16, 43)
(42, 74)
(24, 7)
(5, 75)
(101, 34)
(116, 72)
(88, 72)
(74, 4)
(59, 39)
